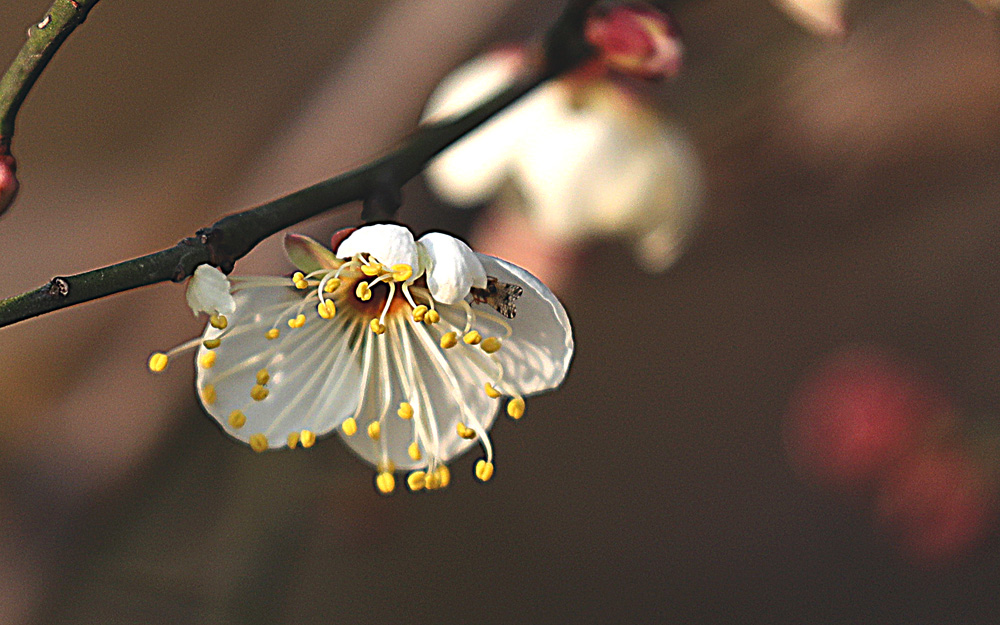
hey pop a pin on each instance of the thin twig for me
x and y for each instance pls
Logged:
(231, 238)
(44, 38)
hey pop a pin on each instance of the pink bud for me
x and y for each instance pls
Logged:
(857, 414)
(635, 39)
(937, 504)
(8, 181)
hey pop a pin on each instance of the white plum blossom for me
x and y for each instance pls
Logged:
(824, 18)
(406, 348)
(208, 292)
(580, 157)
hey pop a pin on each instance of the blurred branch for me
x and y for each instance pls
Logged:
(44, 38)
(231, 238)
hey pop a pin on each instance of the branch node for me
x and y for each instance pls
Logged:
(58, 287)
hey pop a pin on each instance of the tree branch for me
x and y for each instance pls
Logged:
(44, 38)
(231, 238)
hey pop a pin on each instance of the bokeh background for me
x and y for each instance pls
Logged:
(851, 197)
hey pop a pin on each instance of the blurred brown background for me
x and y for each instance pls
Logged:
(852, 196)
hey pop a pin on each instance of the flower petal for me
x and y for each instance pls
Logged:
(452, 267)
(388, 243)
(309, 255)
(313, 370)
(208, 292)
(537, 356)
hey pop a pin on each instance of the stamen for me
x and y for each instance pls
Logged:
(259, 393)
(350, 426)
(388, 301)
(492, 392)
(414, 451)
(207, 360)
(408, 296)
(374, 430)
(372, 269)
(377, 327)
(515, 408)
(272, 334)
(490, 345)
(158, 362)
(484, 470)
(332, 284)
(237, 419)
(432, 481)
(263, 377)
(464, 431)
(431, 317)
(293, 439)
(258, 442)
(326, 309)
(297, 322)
(363, 291)
(419, 312)
(218, 321)
(405, 411)
(449, 340)
(401, 272)
(415, 480)
(385, 482)
(307, 438)
(211, 343)
(443, 474)
(472, 338)
(208, 394)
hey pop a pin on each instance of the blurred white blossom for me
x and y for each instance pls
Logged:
(821, 17)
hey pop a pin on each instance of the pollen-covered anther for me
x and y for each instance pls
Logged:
(350, 427)
(490, 345)
(293, 439)
(464, 431)
(449, 340)
(218, 321)
(431, 317)
(492, 392)
(414, 451)
(484, 470)
(372, 270)
(208, 394)
(419, 312)
(363, 291)
(258, 442)
(331, 285)
(212, 343)
(472, 338)
(263, 377)
(207, 360)
(158, 362)
(299, 280)
(307, 438)
(515, 408)
(259, 393)
(272, 334)
(415, 480)
(377, 328)
(401, 272)
(374, 430)
(297, 322)
(326, 309)
(443, 474)
(237, 419)
(385, 482)
(405, 410)
(432, 481)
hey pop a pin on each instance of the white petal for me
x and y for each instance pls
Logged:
(208, 292)
(537, 356)
(452, 267)
(314, 370)
(406, 364)
(388, 243)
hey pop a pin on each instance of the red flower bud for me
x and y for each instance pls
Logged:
(636, 40)
(8, 181)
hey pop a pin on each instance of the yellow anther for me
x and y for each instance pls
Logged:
(490, 345)
(212, 343)
(401, 272)
(374, 430)
(218, 321)
(449, 339)
(237, 419)
(307, 438)
(272, 334)
(259, 393)
(405, 411)
(293, 440)
(158, 362)
(377, 328)
(419, 312)
(326, 309)
(443, 474)
(350, 426)
(432, 481)
(298, 276)
(431, 316)
(414, 451)
(297, 322)
(472, 338)
(465, 432)
(332, 285)
(208, 394)
(207, 360)
(258, 442)
(302, 285)
(415, 480)
(364, 292)
(372, 270)
(515, 408)
(484, 470)
(492, 392)
(263, 377)
(385, 482)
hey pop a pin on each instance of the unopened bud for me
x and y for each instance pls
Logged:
(8, 181)
(635, 39)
